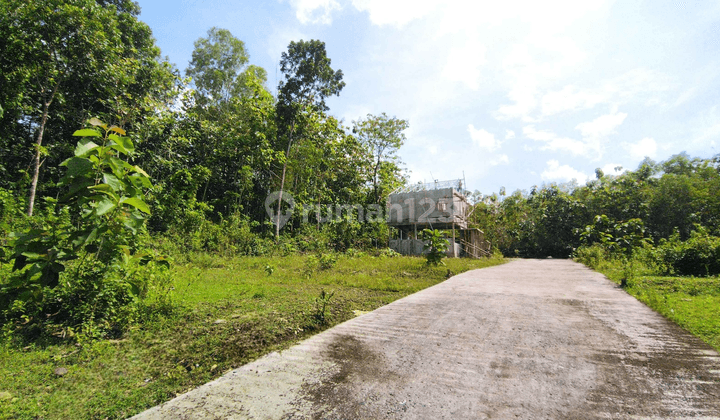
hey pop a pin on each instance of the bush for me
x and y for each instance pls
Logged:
(698, 256)
(591, 256)
(84, 273)
(436, 246)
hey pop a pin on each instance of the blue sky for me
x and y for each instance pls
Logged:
(512, 93)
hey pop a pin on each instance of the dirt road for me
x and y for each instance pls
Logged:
(531, 339)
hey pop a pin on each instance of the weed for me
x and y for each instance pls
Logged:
(321, 305)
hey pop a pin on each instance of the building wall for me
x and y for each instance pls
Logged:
(424, 208)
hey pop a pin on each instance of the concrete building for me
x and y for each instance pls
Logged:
(435, 205)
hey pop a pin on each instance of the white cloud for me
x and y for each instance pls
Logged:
(509, 134)
(594, 136)
(464, 62)
(638, 84)
(554, 142)
(601, 126)
(314, 11)
(645, 147)
(483, 139)
(394, 12)
(595, 133)
(570, 98)
(609, 169)
(556, 172)
(500, 160)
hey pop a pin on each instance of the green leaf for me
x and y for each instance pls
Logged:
(121, 144)
(57, 267)
(96, 122)
(117, 166)
(113, 182)
(87, 132)
(140, 171)
(84, 146)
(104, 206)
(140, 180)
(137, 203)
(32, 255)
(77, 166)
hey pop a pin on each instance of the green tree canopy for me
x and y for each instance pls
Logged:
(383, 136)
(219, 67)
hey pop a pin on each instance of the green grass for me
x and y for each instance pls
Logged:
(230, 311)
(691, 302)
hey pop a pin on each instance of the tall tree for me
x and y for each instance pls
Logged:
(219, 67)
(229, 94)
(64, 61)
(308, 81)
(383, 136)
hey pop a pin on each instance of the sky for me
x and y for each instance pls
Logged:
(510, 93)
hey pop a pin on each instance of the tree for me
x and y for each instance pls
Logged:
(62, 61)
(309, 79)
(219, 67)
(383, 136)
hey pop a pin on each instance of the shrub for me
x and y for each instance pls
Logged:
(591, 256)
(698, 256)
(84, 274)
(436, 246)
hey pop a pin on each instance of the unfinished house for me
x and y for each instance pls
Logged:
(436, 205)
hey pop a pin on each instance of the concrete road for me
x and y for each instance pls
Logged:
(531, 339)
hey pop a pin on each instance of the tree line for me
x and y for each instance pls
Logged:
(215, 142)
(111, 159)
(667, 206)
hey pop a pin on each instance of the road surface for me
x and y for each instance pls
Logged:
(531, 339)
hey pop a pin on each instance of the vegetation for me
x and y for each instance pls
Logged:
(691, 302)
(436, 247)
(86, 255)
(94, 320)
(229, 311)
(654, 230)
(182, 168)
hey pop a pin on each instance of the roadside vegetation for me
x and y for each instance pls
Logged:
(140, 256)
(655, 230)
(693, 302)
(225, 312)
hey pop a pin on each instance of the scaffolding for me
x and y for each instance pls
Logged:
(434, 205)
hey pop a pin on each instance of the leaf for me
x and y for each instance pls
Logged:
(104, 206)
(57, 267)
(96, 122)
(84, 146)
(113, 182)
(32, 255)
(117, 130)
(121, 144)
(143, 180)
(87, 132)
(137, 203)
(134, 222)
(77, 166)
(140, 171)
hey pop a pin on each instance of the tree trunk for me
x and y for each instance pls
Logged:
(38, 143)
(282, 183)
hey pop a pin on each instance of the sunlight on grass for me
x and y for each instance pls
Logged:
(229, 312)
(691, 302)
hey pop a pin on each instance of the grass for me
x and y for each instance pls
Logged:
(691, 302)
(229, 312)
